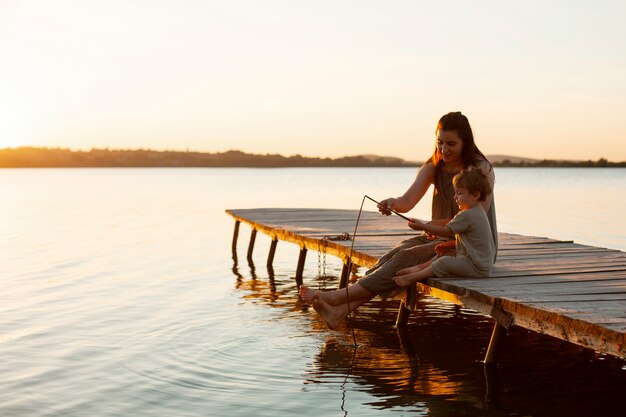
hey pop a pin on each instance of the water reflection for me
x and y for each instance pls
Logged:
(415, 368)
(434, 366)
(279, 292)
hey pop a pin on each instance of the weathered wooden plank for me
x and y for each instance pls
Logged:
(550, 252)
(539, 255)
(536, 281)
(542, 262)
(560, 269)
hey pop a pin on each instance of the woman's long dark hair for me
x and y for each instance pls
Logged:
(457, 122)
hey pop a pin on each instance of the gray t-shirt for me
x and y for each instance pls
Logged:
(473, 237)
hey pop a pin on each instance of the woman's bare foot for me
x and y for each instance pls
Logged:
(307, 294)
(331, 315)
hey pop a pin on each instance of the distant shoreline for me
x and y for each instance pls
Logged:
(29, 157)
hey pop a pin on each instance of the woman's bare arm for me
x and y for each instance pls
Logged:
(425, 177)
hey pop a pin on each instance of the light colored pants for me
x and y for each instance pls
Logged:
(410, 252)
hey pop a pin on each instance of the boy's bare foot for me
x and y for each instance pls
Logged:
(410, 270)
(329, 314)
(402, 281)
(307, 294)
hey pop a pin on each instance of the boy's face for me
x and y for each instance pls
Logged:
(465, 199)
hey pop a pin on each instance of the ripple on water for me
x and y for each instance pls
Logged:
(215, 356)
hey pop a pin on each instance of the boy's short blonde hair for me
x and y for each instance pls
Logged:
(474, 181)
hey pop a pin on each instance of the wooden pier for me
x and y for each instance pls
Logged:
(573, 292)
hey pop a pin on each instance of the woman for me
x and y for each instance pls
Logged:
(455, 150)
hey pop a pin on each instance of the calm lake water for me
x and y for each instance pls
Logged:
(120, 297)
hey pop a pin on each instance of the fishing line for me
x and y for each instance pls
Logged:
(349, 266)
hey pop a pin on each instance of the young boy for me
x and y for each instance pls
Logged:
(475, 249)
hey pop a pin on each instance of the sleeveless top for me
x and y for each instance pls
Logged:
(444, 206)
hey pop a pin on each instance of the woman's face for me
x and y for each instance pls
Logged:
(450, 146)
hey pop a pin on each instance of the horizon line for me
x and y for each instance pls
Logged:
(498, 156)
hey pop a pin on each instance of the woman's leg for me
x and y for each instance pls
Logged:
(336, 297)
(381, 280)
(405, 244)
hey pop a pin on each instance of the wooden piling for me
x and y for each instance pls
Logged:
(495, 344)
(403, 315)
(345, 273)
(235, 236)
(300, 267)
(270, 256)
(251, 244)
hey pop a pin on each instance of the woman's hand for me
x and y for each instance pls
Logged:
(386, 206)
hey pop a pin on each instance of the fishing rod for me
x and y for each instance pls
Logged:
(390, 209)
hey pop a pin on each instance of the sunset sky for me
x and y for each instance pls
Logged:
(540, 79)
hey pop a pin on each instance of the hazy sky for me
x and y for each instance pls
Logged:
(542, 79)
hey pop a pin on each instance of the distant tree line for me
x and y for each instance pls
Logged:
(548, 163)
(29, 157)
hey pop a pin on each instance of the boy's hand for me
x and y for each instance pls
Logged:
(416, 224)
(438, 222)
(446, 248)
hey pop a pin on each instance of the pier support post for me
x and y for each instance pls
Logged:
(345, 272)
(492, 386)
(270, 257)
(503, 321)
(235, 236)
(411, 298)
(495, 344)
(300, 268)
(251, 244)
(406, 305)
(403, 315)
